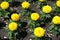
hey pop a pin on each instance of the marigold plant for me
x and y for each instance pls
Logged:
(13, 26)
(5, 5)
(25, 4)
(56, 20)
(47, 9)
(58, 3)
(15, 17)
(39, 32)
(35, 16)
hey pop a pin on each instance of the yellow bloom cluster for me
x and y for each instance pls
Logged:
(25, 5)
(56, 20)
(35, 16)
(58, 3)
(39, 32)
(47, 9)
(42, 0)
(13, 26)
(4, 5)
(15, 17)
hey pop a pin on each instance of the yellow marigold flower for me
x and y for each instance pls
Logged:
(42, 0)
(47, 9)
(35, 16)
(4, 5)
(13, 26)
(39, 32)
(15, 17)
(58, 3)
(25, 5)
(56, 20)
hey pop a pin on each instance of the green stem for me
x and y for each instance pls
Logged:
(13, 36)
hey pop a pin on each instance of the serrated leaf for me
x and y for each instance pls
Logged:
(52, 27)
(56, 28)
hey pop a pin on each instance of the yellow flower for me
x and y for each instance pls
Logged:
(13, 26)
(42, 0)
(58, 3)
(25, 5)
(35, 16)
(56, 20)
(4, 5)
(15, 17)
(39, 32)
(47, 9)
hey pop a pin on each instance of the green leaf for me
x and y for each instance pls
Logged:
(48, 16)
(56, 28)
(56, 9)
(11, 21)
(59, 29)
(0, 14)
(38, 4)
(37, 24)
(35, 38)
(52, 27)
(10, 1)
(29, 22)
(9, 35)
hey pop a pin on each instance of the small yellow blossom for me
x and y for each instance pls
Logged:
(13, 26)
(4, 5)
(56, 20)
(15, 17)
(25, 5)
(39, 32)
(47, 9)
(35, 16)
(58, 3)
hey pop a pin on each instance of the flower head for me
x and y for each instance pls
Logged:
(25, 5)
(47, 9)
(15, 17)
(35, 16)
(13, 26)
(39, 32)
(58, 3)
(56, 20)
(4, 5)
(42, 0)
